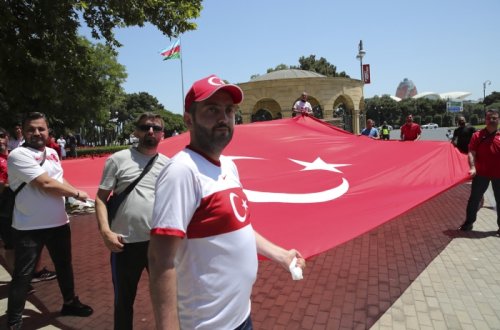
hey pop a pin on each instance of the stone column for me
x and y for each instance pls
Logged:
(355, 122)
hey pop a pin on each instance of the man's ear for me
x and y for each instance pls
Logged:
(188, 120)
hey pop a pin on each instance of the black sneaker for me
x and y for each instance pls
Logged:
(43, 275)
(76, 308)
(465, 227)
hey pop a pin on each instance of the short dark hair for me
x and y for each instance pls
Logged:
(30, 116)
(149, 115)
(495, 111)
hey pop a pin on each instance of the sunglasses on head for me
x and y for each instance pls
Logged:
(146, 128)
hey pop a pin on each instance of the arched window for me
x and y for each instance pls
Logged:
(262, 115)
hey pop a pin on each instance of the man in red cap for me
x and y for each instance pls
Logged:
(203, 249)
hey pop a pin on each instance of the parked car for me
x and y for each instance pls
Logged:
(430, 126)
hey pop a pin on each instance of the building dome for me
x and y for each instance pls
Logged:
(288, 74)
(406, 89)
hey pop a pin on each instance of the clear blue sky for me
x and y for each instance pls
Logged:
(441, 45)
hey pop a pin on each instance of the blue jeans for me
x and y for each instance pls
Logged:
(126, 270)
(478, 188)
(28, 245)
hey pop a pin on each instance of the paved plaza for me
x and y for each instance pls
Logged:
(413, 272)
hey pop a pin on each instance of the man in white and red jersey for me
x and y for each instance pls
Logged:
(203, 249)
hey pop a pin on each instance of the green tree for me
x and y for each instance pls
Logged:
(310, 63)
(135, 104)
(321, 66)
(45, 66)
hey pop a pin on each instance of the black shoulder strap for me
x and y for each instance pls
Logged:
(136, 181)
(24, 183)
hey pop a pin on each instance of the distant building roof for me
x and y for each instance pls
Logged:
(443, 96)
(288, 74)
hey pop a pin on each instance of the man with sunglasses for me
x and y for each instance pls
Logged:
(40, 219)
(127, 236)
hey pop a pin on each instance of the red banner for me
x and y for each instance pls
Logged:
(366, 73)
(312, 186)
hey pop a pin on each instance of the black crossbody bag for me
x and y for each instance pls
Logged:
(114, 201)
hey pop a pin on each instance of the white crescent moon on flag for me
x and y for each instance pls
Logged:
(235, 211)
(315, 197)
(212, 81)
(304, 198)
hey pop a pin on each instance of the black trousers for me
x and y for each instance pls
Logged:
(478, 188)
(126, 269)
(28, 245)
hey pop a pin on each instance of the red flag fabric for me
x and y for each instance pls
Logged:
(312, 186)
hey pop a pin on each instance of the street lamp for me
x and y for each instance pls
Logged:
(361, 54)
(487, 82)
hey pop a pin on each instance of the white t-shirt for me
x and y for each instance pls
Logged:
(216, 263)
(303, 107)
(35, 208)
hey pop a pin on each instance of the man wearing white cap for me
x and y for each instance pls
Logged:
(203, 249)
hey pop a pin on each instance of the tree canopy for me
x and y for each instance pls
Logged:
(310, 63)
(45, 66)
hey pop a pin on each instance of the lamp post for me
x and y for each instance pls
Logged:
(361, 54)
(487, 82)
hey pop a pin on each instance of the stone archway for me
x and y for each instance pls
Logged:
(343, 108)
(266, 109)
(276, 92)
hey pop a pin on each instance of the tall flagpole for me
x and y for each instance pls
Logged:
(182, 77)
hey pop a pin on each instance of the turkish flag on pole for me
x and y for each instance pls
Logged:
(366, 73)
(312, 186)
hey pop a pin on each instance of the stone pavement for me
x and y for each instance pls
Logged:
(414, 272)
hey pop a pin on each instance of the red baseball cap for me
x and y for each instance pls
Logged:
(206, 87)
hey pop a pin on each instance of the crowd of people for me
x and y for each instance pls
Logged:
(174, 217)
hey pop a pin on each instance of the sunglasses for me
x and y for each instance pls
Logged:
(146, 128)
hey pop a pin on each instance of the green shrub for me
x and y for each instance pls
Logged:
(99, 151)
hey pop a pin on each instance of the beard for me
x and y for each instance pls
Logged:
(36, 142)
(212, 140)
(149, 142)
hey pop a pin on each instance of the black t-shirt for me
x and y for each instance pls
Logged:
(462, 136)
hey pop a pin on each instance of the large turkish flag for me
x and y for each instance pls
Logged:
(312, 186)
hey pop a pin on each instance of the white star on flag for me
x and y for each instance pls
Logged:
(319, 164)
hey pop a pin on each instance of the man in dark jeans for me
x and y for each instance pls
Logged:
(40, 219)
(484, 162)
(127, 236)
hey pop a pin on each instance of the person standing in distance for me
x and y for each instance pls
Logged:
(128, 235)
(462, 135)
(40, 219)
(370, 131)
(302, 106)
(410, 131)
(484, 162)
(203, 249)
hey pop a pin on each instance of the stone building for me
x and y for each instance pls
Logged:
(336, 100)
